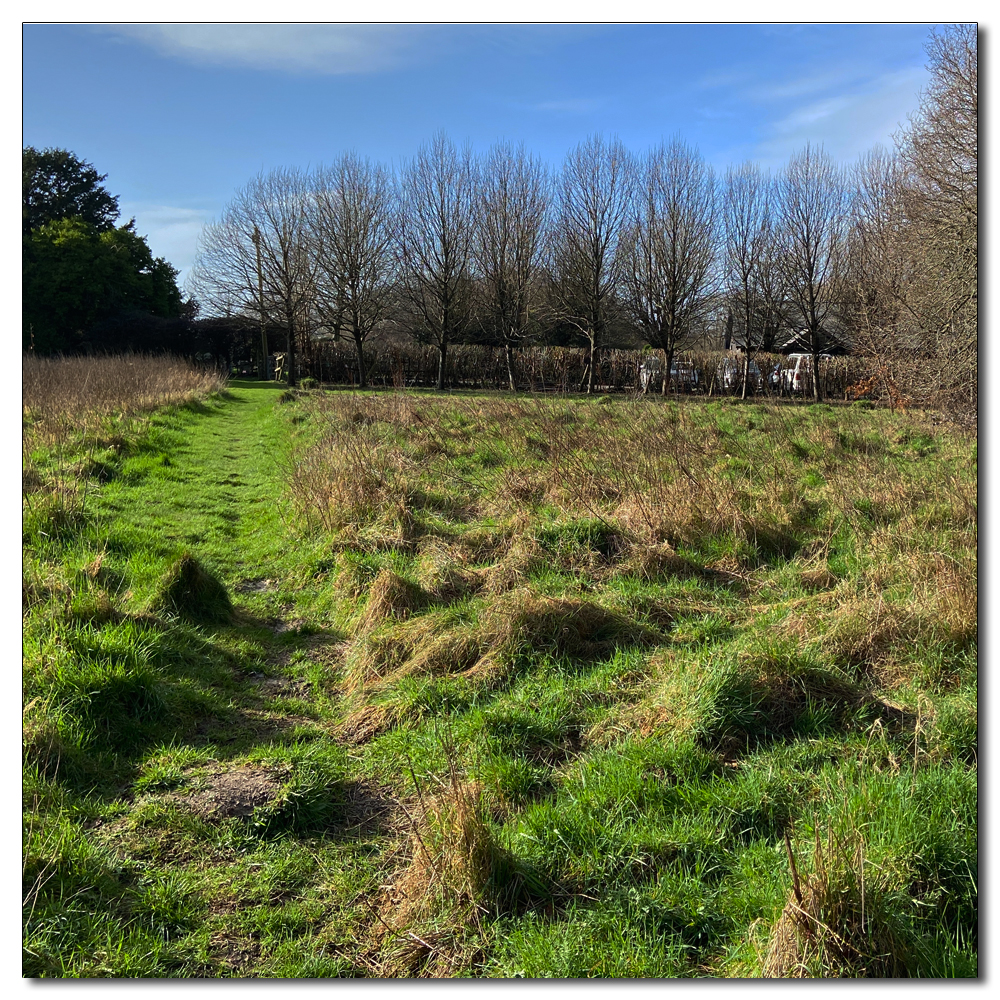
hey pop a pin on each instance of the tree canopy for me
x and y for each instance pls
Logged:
(81, 275)
(56, 184)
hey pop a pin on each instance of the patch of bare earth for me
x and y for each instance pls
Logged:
(236, 792)
(240, 954)
(257, 585)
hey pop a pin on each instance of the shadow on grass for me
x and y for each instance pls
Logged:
(133, 682)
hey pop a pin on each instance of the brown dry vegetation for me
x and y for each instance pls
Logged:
(97, 402)
(88, 390)
(828, 928)
(394, 472)
(475, 500)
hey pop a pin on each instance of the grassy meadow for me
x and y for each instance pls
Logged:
(340, 684)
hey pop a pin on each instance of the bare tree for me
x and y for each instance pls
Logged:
(670, 248)
(750, 275)
(511, 205)
(772, 291)
(876, 271)
(355, 247)
(913, 262)
(941, 144)
(586, 263)
(813, 213)
(273, 209)
(940, 152)
(436, 193)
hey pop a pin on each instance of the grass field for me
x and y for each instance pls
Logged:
(342, 684)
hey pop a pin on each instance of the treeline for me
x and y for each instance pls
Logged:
(614, 250)
(880, 258)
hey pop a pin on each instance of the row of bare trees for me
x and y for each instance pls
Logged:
(454, 247)
(499, 244)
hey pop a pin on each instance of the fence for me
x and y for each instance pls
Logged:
(564, 370)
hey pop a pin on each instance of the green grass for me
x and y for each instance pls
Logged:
(373, 684)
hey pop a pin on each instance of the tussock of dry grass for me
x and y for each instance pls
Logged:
(368, 721)
(452, 874)
(656, 562)
(522, 556)
(515, 489)
(348, 479)
(516, 622)
(875, 634)
(831, 927)
(818, 578)
(451, 853)
(442, 569)
(391, 597)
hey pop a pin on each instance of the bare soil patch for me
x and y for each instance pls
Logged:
(256, 585)
(231, 793)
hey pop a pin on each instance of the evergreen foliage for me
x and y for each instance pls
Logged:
(83, 278)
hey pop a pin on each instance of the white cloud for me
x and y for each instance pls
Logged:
(817, 113)
(314, 49)
(847, 124)
(804, 86)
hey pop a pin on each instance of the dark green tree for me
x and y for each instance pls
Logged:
(83, 277)
(56, 184)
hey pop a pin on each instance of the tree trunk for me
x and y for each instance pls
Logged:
(290, 352)
(442, 360)
(362, 374)
(510, 365)
(590, 367)
(668, 360)
(817, 392)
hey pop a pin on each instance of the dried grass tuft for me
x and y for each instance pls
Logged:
(369, 721)
(523, 555)
(391, 598)
(486, 646)
(831, 926)
(443, 571)
(454, 873)
(657, 562)
(818, 578)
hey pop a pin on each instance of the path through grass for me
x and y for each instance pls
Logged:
(153, 731)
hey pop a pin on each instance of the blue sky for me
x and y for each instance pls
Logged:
(181, 115)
